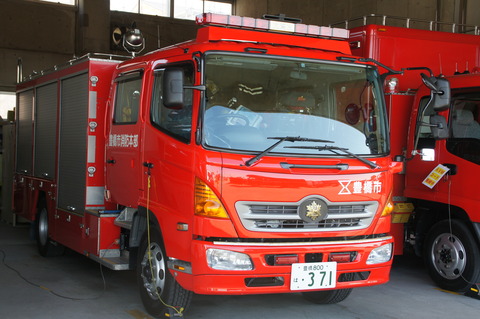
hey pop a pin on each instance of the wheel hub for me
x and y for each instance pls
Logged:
(153, 271)
(449, 258)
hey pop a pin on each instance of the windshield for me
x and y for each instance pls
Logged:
(251, 102)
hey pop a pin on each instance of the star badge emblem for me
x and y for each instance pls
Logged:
(313, 210)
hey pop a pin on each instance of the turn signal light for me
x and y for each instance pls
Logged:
(207, 204)
(388, 209)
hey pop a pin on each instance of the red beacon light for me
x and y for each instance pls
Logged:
(271, 25)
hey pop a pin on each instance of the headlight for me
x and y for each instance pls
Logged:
(380, 254)
(228, 260)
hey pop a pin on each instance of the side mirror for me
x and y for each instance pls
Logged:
(441, 99)
(440, 92)
(173, 88)
(439, 127)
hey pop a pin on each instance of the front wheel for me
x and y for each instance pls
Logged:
(327, 296)
(160, 293)
(452, 256)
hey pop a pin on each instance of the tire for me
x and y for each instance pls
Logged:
(452, 257)
(174, 298)
(327, 297)
(46, 246)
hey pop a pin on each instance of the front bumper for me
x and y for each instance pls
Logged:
(266, 278)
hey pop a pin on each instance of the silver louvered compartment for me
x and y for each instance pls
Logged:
(283, 217)
(45, 130)
(73, 143)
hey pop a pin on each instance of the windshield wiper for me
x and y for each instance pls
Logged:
(257, 157)
(334, 149)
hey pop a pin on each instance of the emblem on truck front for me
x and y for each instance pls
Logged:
(313, 210)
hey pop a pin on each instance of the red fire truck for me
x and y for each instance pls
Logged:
(436, 204)
(234, 163)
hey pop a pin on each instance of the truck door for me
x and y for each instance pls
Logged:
(169, 149)
(428, 152)
(123, 168)
(462, 153)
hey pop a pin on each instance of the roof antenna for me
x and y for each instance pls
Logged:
(441, 69)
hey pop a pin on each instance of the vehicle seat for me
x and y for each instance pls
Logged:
(464, 125)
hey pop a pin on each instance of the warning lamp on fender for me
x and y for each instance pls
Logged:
(271, 25)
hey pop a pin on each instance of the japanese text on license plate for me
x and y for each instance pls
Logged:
(306, 276)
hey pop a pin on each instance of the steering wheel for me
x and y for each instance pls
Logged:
(231, 117)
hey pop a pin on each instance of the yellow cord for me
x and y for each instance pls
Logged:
(150, 252)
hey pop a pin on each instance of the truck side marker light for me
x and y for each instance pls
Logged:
(207, 204)
(182, 227)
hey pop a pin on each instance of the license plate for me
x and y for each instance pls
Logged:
(306, 276)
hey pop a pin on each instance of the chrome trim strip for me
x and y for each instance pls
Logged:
(339, 242)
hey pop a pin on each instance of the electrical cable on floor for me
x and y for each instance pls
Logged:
(19, 274)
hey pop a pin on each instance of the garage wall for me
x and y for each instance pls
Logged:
(325, 12)
(47, 34)
(39, 34)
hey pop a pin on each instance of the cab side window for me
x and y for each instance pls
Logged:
(175, 122)
(127, 100)
(464, 139)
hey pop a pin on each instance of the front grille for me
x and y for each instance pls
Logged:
(283, 217)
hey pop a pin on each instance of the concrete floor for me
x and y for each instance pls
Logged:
(35, 287)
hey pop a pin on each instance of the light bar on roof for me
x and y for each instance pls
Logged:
(271, 25)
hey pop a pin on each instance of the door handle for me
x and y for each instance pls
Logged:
(148, 164)
(111, 161)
